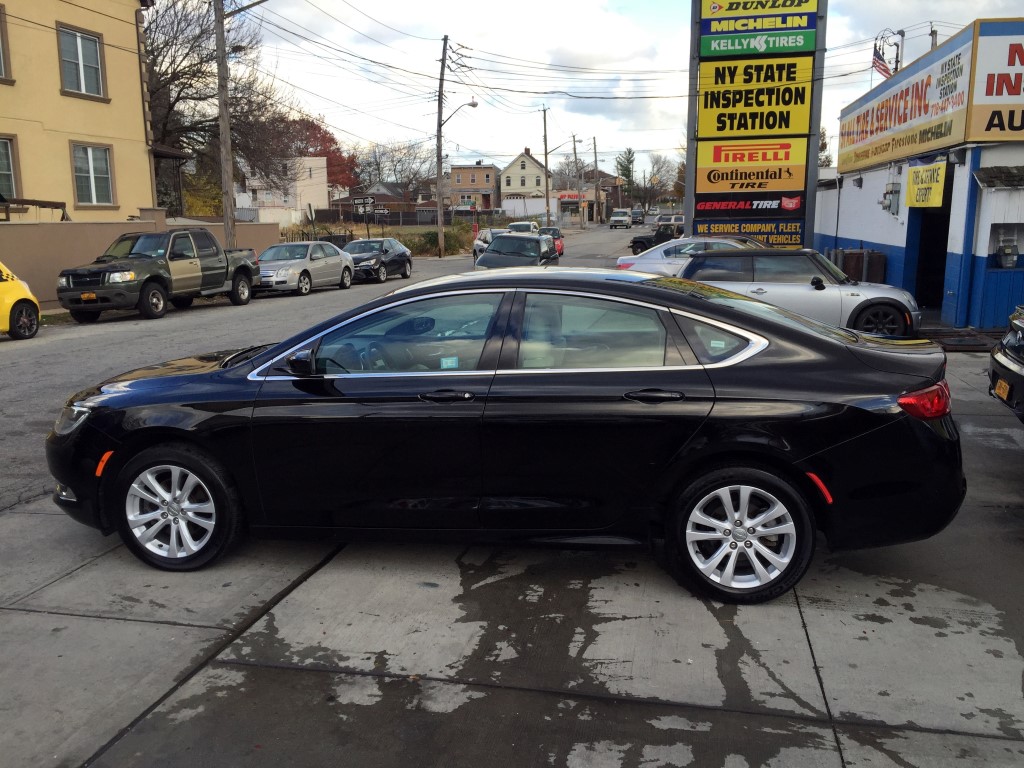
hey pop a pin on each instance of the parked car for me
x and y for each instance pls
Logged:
(637, 216)
(483, 239)
(806, 282)
(528, 227)
(143, 270)
(653, 210)
(670, 257)
(556, 234)
(19, 308)
(519, 393)
(620, 217)
(378, 258)
(661, 234)
(517, 250)
(1006, 366)
(302, 266)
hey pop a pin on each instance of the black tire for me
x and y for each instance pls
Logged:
(182, 302)
(241, 290)
(881, 318)
(637, 249)
(406, 270)
(346, 279)
(382, 274)
(24, 320)
(305, 285)
(163, 534)
(702, 533)
(85, 316)
(153, 301)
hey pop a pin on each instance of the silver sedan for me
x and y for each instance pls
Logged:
(670, 257)
(301, 267)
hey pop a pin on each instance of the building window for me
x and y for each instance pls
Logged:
(94, 182)
(487, 178)
(508, 181)
(458, 178)
(522, 181)
(536, 182)
(5, 59)
(81, 62)
(522, 165)
(472, 178)
(7, 186)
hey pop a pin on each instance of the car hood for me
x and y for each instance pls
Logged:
(167, 374)
(914, 357)
(118, 265)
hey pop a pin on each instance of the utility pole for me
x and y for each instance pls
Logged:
(547, 191)
(227, 175)
(598, 216)
(579, 191)
(440, 175)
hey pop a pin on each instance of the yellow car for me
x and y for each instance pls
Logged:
(19, 309)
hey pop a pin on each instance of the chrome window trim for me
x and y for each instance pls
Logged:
(756, 343)
(256, 375)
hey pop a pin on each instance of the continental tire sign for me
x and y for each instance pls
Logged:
(762, 97)
(755, 165)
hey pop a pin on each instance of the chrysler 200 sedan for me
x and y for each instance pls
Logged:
(531, 404)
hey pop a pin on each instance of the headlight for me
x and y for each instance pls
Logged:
(71, 418)
(120, 277)
(283, 272)
(63, 282)
(370, 262)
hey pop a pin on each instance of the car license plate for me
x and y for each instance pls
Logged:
(1003, 389)
(88, 296)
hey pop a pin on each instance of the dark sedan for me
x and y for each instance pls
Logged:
(1006, 366)
(379, 258)
(531, 404)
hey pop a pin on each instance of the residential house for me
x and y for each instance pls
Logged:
(474, 186)
(524, 177)
(256, 200)
(74, 126)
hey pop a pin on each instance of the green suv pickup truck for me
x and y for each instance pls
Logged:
(145, 270)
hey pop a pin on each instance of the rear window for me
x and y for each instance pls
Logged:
(515, 246)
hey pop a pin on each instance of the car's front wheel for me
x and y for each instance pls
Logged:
(176, 507)
(884, 319)
(407, 270)
(742, 535)
(637, 249)
(24, 320)
(153, 301)
(382, 274)
(305, 285)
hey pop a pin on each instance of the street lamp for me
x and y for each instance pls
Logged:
(440, 175)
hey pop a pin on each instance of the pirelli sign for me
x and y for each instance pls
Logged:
(751, 166)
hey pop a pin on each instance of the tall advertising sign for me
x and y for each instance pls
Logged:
(997, 107)
(752, 161)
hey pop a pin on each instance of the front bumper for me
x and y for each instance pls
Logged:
(120, 296)
(271, 282)
(73, 461)
(366, 270)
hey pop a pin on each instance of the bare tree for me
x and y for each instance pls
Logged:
(408, 165)
(655, 183)
(824, 156)
(568, 172)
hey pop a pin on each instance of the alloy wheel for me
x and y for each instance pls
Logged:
(170, 511)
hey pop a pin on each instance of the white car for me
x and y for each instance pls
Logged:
(653, 210)
(525, 227)
(670, 257)
(621, 217)
(483, 239)
(301, 267)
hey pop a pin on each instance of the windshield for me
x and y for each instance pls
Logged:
(835, 272)
(358, 247)
(153, 245)
(553, 231)
(520, 227)
(289, 252)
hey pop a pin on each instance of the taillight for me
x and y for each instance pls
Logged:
(928, 403)
(624, 266)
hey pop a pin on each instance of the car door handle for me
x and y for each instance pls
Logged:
(447, 396)
(654, 396)
(759, 291)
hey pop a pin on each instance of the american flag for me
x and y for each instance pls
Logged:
(879, 64)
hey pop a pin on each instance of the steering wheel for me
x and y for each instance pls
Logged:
(378, 358)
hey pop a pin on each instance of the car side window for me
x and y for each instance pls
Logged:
(182, 246)
(784, 269)
(722, 268)
(205, 243)
(711, 343)
(445, 333)
(581, 332)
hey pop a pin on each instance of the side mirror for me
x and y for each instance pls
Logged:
(817, 283)
(301, 363)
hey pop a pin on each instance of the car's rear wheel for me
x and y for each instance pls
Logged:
(24, 320)
(153, 301)
(305, 285)
(742, 535)
(85, 315)
(881, 318)
(176, 507)
(182, 302)
(241, 290)
(346, 278)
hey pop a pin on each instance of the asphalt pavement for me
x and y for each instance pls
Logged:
(383, 654)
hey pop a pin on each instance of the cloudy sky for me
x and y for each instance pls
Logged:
(613, 73)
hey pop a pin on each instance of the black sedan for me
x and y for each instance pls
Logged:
(379, 258)
(531, 404)
(1006, 366)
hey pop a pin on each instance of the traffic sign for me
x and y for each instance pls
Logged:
(382, 211)
(362, 201)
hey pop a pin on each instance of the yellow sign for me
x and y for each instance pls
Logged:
(760, 97)
(997, 103)
(751, 165)
(724, 9)
(925, 185)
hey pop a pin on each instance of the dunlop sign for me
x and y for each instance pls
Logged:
(925, 185)
(724, 9)
(751, 166)
(758, 97)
